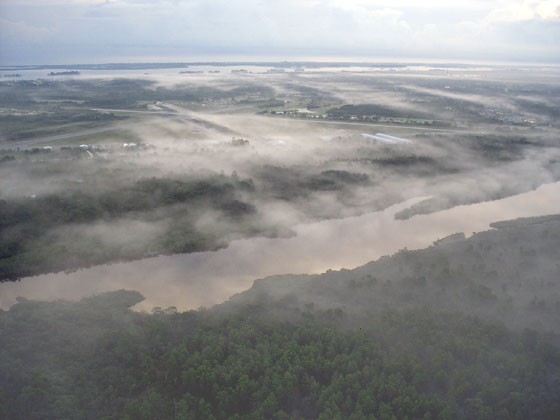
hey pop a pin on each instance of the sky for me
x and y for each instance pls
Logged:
(100, 31)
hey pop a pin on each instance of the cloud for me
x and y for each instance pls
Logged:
(24, 31)
(525, 10)
(366, 28)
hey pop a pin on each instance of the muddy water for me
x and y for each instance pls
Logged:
(202, 279)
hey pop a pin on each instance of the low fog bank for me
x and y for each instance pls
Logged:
(183, 188)
(509, 275)
(204, 279)
(220, 179)
(216, 157)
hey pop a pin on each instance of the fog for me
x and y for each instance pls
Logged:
(289, 161)
(326, 223)
(204, 279)
(299, 229)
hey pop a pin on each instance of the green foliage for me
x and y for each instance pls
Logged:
(33, 239)
(525, 221)
(95, 358)
(289, 183)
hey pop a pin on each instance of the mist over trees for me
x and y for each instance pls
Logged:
(279, 351)
(98, 168)
(96, 356)
(74, 204)
(509, 275)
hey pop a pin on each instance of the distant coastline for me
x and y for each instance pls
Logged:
(381, 62)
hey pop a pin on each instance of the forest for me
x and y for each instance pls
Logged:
(507, 275)
(458, 340)
(34, 246)
(66, 360)
(120, 209)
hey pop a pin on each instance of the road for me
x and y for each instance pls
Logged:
(193, 117)
(131, 111)
(407, 127)
(179, 113)
(32, 142)
(26, 143)
(189, 116)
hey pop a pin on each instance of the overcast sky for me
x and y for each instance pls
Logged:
(97, 31)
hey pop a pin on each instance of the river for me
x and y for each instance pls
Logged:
(190, 281)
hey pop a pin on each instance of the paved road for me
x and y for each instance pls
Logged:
(131, 111)
(178, 112)
(182, 110)
(25, 143)
(407, 127)
(181, 113)
(197, 118)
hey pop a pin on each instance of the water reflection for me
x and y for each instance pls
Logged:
(202, 279)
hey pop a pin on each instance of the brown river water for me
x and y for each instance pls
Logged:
(189, 281)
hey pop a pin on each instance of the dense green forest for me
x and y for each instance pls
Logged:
(97, 359)
(508, 275)
(465, 329)
(34, 240)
